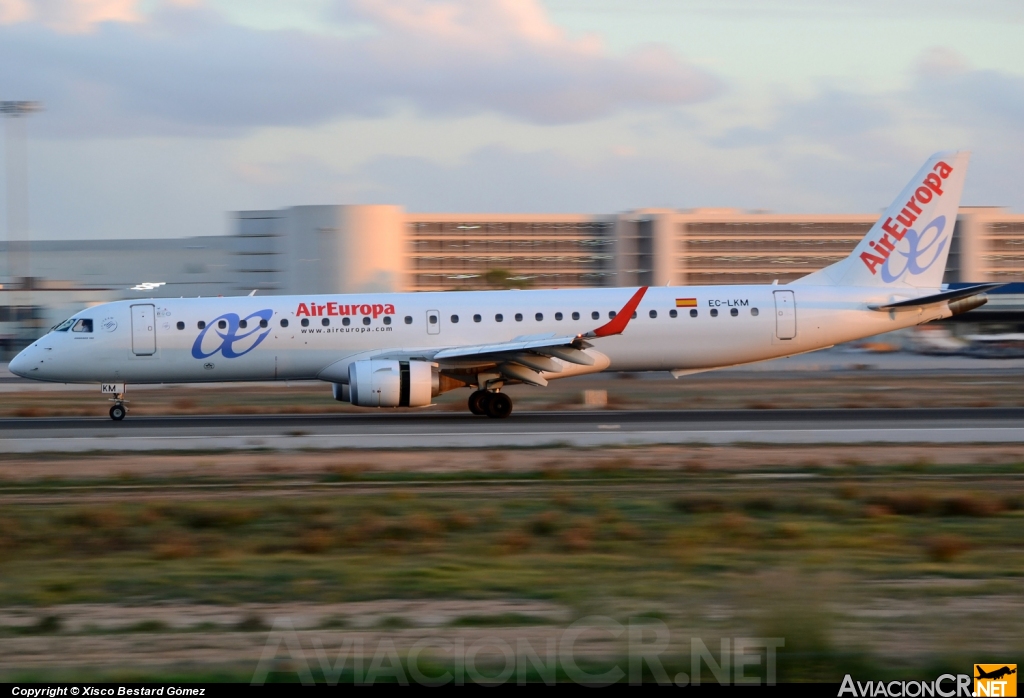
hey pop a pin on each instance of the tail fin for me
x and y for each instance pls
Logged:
(909, 244)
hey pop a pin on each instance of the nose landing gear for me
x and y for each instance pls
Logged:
(493, 404)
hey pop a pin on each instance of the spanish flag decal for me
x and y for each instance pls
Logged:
(686, 302)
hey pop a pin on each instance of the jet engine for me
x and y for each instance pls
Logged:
(387, 383)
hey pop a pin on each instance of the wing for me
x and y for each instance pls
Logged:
(522, 359)
(525, 358)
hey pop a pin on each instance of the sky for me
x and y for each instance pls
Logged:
(162, 116)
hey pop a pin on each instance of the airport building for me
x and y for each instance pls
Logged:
(357, 248)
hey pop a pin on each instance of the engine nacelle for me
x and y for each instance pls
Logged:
(387, 383)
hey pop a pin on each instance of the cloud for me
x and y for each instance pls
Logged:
(187, 70)
(68, 16)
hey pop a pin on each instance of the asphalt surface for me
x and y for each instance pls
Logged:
(522, 429)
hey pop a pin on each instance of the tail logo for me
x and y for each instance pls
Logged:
(229, 337)
(930, 188)
(929, 244)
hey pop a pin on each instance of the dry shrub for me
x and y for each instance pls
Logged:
(578, 538)
(735, 524)
(31, 412)
(613, 465)
(848, 490)
(488, 515)
(907, 503)
(694, 465)
(971, 505)
(459, 521)
(946, 547)
(184, 404)
(96, 518)
(544, 524)
(346, 472)
(314, 541)
(515, 541)
(789, 530)
(174, 548)
(627, 531)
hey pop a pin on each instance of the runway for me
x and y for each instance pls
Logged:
(384, 430)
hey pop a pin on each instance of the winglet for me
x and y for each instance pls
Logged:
(618, 323)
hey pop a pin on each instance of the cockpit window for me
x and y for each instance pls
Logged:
(83, 325)
(64, 326)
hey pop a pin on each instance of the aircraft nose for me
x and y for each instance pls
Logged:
(22, 363)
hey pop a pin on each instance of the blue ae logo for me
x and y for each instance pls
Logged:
(225, 337)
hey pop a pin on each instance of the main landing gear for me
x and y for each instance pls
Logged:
(492, 404)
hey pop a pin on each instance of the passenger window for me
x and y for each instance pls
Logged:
(714, 312)
(539, 316)
(263, 323)
(366, 320)
(477, 318)
(734, 312)
(82, 325)
(519, 317)
(325, 322)
(305, 322)
(242, 324)
(611, 314)
(345, 321)
(575, 316)
(558, 316)
(499, 317)
(753, 311)
(673, 313)
(223, 324)
(201, 325)
(693, 313)
(455, 319)
(387, 319)
(633, 316)
(408, 319)
(653, 314)
(595, 315)
(432, 319)
(284, 322)
(181, 325)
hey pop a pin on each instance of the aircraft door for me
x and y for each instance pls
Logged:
(433, 322)
(143, 330)
(785, 315)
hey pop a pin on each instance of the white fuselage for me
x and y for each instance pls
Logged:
(161, 340)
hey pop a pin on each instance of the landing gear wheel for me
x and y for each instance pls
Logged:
(498, 405)
(476, 402)
(117, 412)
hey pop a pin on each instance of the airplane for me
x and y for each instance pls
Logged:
(995, 674)
(404, 349)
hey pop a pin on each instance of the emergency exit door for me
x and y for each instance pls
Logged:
(433, 322)
(143, 330)
(785, 315)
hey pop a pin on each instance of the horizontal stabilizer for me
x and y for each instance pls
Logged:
(943, 297)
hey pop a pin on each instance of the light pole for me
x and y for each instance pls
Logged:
(18, 243)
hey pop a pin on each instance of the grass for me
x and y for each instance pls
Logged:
(554, 540)
(779, 555)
